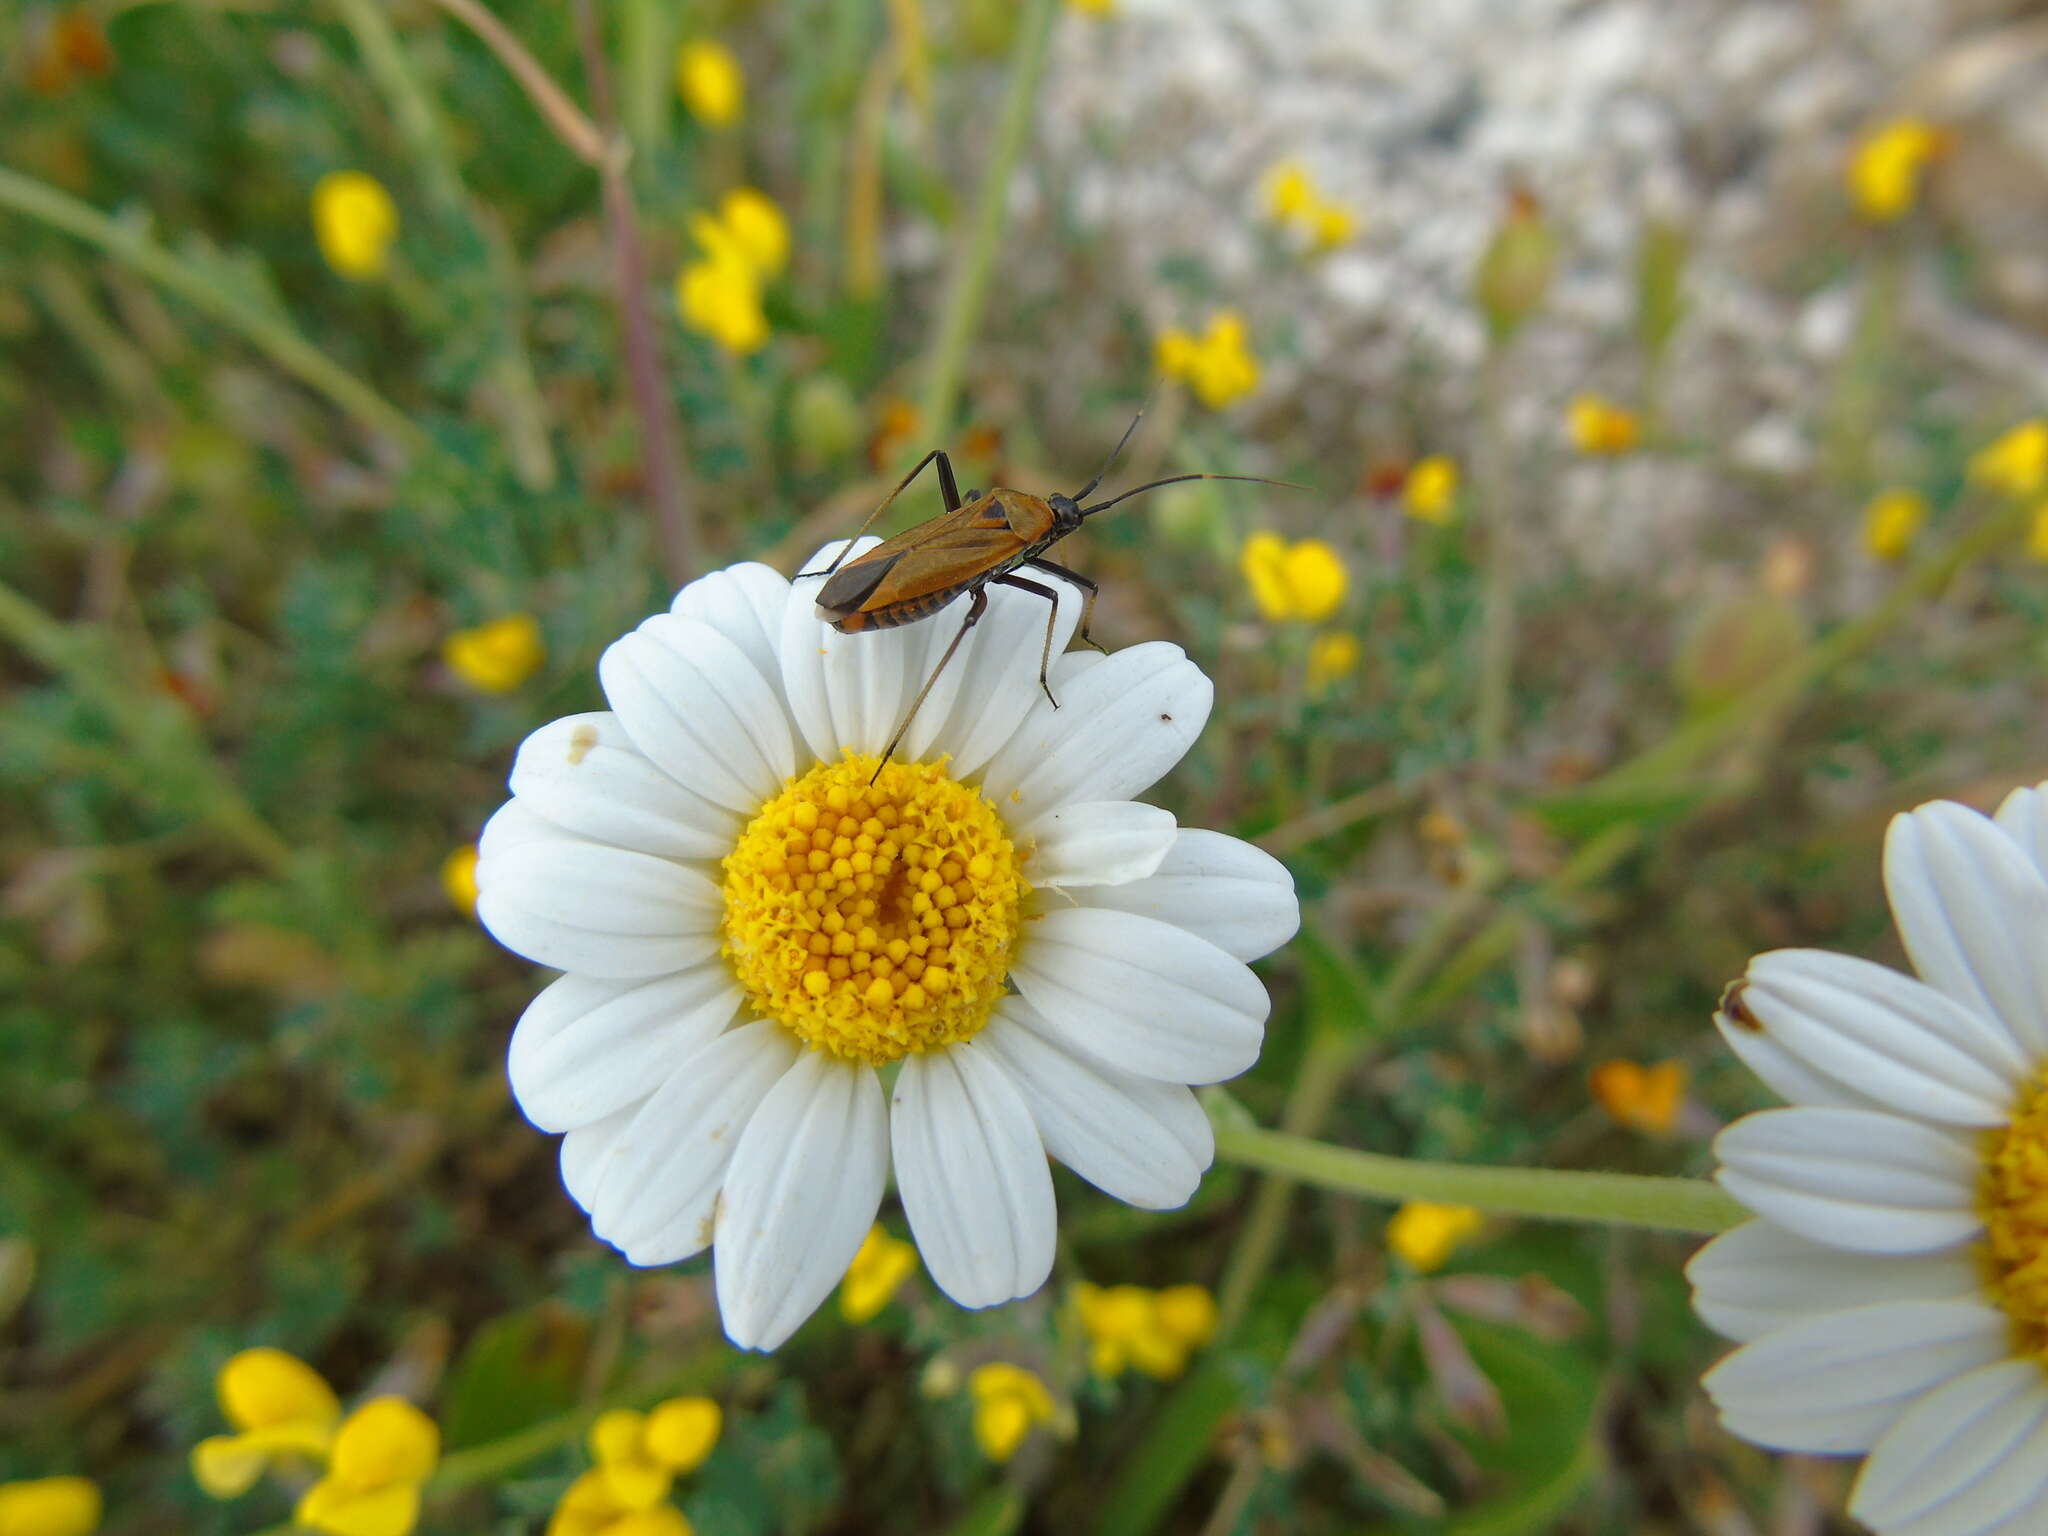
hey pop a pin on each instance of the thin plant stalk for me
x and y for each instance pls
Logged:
(974, 263)
(1498, 597)
(1617, 1199)
(674, 517)
(262, 327)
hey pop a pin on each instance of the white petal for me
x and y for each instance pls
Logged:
(983, 696)
(599, 911)
(1893, 1042)
(1971, 909)
(2023, 817)
(1972, 1452)
(1835, 1384)
(656, 1200)
(744, 603)
(585, 1049)
(1147, 1143)
(1758, 1277)
(803, 1189)
(1852, 1178)
(1098, 842)
(689, 698)
(1142, 995)
(1120, 725)
(511, 825)
(847, 690)
(583, 773)
(586, 1154)
(1220, 888)
(973, 1176)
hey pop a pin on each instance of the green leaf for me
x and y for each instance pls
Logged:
(1587, 813)
(519, 1369)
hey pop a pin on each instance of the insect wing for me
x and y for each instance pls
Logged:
(935, 556)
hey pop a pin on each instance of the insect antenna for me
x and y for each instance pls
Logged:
(1110, 463)
(1104, 506)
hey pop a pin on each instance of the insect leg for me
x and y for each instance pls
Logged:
(1086, 584)
(1051, 618)
(975, 610)
(948, 488)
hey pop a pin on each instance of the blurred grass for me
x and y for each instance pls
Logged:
(253, 1089)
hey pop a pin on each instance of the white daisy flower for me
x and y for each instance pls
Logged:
(1892, 1297)
(757, 941)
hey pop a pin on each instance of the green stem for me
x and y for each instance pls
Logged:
(960, 318)
(1497, 598)
(267, 332)
(383, 56)
(647, 62)
(1620, 1199)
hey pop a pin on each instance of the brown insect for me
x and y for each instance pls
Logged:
(981, 540)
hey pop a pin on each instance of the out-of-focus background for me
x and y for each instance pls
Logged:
(1664, 374)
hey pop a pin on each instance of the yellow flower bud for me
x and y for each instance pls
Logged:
(1008, 1403)
(49, 1506)
(355, 222)
(1642, 1098)
(758, 228)
(1332, 657)
(1431, 489)
(683, 1431)
(1424, 1234)
(496, 657)
(2016, 462)
(711, 83)
(1891, 522)
(383, 1453)
(458, 879)
(1886, 165)
(1219, 367)
(876, 1274)
(1599, 426)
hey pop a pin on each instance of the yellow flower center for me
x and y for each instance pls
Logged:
(874, 920)
(2014, 1199)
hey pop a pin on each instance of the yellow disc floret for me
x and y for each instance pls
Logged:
(874, 920)
(2014, 1196)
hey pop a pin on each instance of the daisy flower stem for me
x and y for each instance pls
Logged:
(1620, 1199)
(275, 338)
(960, 318)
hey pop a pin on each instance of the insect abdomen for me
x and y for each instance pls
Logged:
(909, 611)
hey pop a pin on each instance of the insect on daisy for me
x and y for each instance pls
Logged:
(792, 964)
(1891, 1299)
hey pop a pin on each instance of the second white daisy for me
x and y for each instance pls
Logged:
(1892, 1297)
(753, 934)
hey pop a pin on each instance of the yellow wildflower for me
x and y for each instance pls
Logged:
(711, 83)
(355, 222)
(383, 1453)
(1304, 581)
(1891, 522)
(49, 1506)
(589, 1508)
(1424, 1234)
(281, 1410)
(876, 1274)
(458, 879)
(2037, 534)
(1641, 1098)
(1600, 426)
(1885, 167)
(1008, 1403)
(758, 228)
(1431, 489)
(1293, 201)
(640, 1455)
(496, 657)
(1218, 366)
(2016, 462)
(1131, 1328)
(1093, 7)
(1332, 657)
